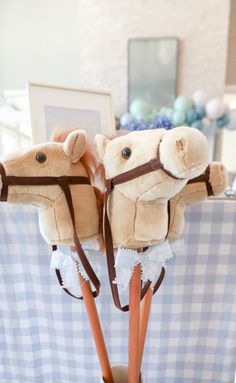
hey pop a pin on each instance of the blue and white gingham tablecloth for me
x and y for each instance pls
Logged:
(45, 335)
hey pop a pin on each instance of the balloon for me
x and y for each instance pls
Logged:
(178, 118)
(222, 121)
(197, 125)
(182, 103)
(169, 113)
(153, 113)
(191, 115)
(163, 111)
(126, 119)
(201, 112)
(139, 108)
(215, 108)
(199, 98)
(141, 116)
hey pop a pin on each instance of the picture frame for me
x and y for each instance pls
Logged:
(53, 106)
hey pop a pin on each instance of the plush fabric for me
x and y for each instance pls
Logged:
(193, 193)
(54, 218)
(138, 209)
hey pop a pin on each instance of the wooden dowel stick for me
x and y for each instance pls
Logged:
(96, 329)
(134, 320)
(144, 317)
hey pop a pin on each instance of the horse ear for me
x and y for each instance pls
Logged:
(74, 145)
(101, 143)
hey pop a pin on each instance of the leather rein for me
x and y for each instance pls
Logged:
(64, 182)
(148, 167)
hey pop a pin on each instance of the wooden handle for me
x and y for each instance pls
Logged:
(134, 319)
(144, 317)
(96, 329)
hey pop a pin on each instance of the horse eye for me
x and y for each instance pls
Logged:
(126, 153)
(41, 157)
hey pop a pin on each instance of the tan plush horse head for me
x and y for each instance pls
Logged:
(138, 210)
(54, 160)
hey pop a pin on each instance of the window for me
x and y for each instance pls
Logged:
(14, 125)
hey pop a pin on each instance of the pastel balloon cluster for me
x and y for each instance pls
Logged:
(196, 111)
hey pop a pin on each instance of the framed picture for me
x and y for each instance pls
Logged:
(54, 106)
(152, 70)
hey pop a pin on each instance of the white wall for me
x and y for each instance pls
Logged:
(39, 40)
(105, 26)
(231, 72)
(84, 42)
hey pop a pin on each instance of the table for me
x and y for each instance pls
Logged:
(45, 335)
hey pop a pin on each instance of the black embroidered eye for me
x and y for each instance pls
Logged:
(41, 157)
(126, 153)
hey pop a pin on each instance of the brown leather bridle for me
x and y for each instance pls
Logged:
(64, 182)
(148, 167)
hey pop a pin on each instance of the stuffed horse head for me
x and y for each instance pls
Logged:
(137, 209)
(53, 160)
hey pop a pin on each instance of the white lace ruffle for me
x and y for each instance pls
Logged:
(151, 261)
(69, 264)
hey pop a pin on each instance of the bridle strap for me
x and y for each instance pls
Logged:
(4, 191)
(60, 280)
(205, 177)
(36, 181)
(84, 260)
(148, 167)
(64, 182)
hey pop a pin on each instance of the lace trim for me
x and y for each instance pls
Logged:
(69, 264)
(151, 261)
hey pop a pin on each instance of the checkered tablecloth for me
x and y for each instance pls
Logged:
(45, 335)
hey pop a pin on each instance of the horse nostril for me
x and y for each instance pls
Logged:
(180, 144)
